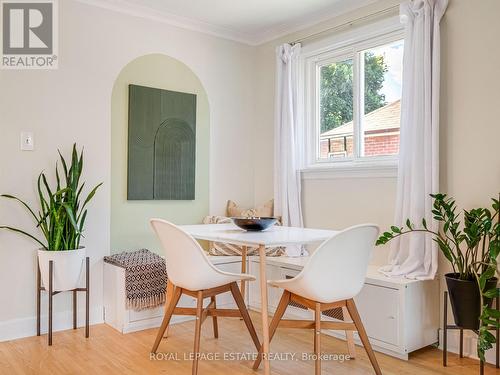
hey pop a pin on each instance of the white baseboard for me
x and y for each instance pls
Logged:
(470, 344)
(153, 323)
(26, 327)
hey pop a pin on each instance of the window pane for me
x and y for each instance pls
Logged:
(383, 67)
(336, 110)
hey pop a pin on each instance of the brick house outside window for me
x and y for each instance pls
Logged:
(381, 130)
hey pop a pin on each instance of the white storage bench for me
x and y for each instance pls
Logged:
(400, 315)
(119, 317)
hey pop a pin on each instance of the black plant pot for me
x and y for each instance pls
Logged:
(464, 299)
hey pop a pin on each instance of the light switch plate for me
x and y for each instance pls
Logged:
(27, 141)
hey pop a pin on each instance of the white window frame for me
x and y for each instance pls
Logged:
(341, 47)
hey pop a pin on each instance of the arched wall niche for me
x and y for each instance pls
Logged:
(130, 219)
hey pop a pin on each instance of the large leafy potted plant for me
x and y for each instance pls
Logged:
(472, 249)
(61, 220)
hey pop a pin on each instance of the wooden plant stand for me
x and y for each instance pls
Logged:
(447, 326)
(52, 293)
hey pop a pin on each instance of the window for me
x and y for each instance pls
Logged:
(353, 103)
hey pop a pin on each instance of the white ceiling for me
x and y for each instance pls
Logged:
(249, 21)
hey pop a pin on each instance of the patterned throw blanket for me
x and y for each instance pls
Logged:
(145, 278)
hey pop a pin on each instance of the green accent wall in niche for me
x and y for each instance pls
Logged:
(161, 144)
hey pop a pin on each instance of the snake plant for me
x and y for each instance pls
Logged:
(61, 214)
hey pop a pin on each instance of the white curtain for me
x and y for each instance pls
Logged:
(288, 139)
(416, 255)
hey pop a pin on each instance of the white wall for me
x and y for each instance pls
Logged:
(470, 110)
(73, 103)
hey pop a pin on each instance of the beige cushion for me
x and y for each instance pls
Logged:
(266, 210)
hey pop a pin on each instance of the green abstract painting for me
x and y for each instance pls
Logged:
(161, 144)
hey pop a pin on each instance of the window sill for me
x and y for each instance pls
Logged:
(354, 169)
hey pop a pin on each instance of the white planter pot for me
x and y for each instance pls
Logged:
(67, 269)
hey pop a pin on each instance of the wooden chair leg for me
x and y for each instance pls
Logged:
(351, 347)
(280, 311)
(243, 269)
(317, 338)
(166, 319)
(197, 332)
(353, 311)
(240, 302)
(243, 284)
(170, 294)
(214, 318)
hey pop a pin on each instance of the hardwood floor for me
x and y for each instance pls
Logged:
(109, 352)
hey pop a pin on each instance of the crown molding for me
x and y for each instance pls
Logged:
(253, 39)
(123, 6)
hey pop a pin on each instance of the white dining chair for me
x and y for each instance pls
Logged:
(190, 272)
(332, 277)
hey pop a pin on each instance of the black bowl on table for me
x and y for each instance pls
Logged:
(254, 224)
